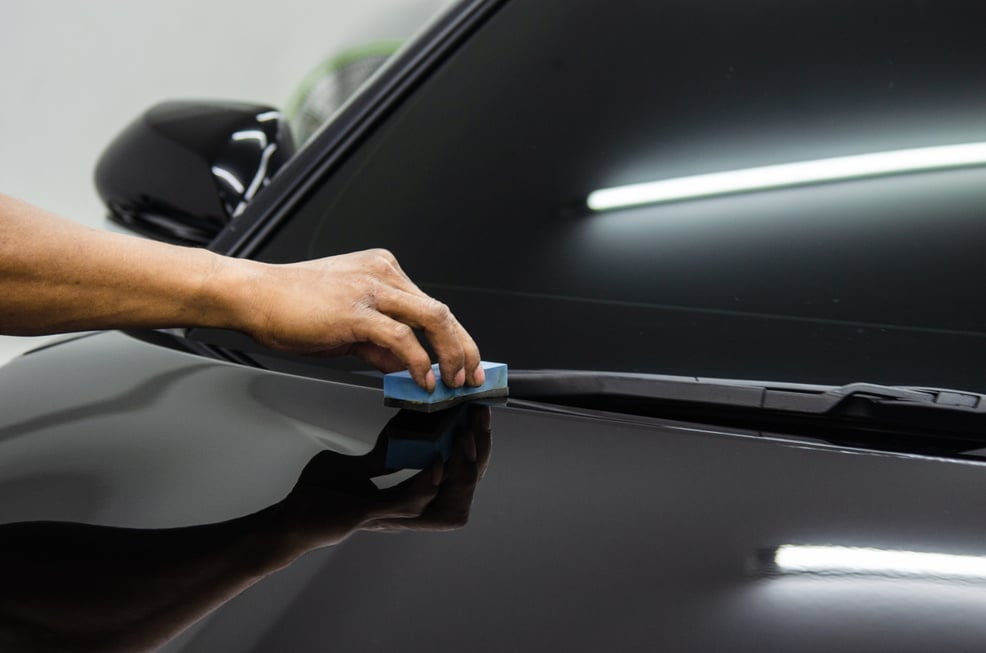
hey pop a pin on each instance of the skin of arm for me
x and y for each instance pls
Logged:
(59, 276)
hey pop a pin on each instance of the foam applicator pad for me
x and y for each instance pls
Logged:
(399, 389)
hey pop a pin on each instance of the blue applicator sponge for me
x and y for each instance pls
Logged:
(399, 389)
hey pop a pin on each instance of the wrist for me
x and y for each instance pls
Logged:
(231, 291)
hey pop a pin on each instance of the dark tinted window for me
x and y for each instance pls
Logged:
(479, 185)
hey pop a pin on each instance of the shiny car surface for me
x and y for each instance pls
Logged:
(731, 253)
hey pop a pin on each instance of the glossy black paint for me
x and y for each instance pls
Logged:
(591, 530)
(114, 585)
(183, 170)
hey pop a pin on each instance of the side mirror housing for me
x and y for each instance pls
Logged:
(184, 170)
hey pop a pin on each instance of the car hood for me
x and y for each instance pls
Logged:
(588, 532)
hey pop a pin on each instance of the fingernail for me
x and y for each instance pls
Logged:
(479, 374)
(460, 378)
(430, 381)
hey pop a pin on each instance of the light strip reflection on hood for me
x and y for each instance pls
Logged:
(790, 174)
(791, 558)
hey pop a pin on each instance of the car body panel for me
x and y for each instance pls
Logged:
(587, 529)
(590, 530)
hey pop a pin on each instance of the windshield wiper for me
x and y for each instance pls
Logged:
(857, 407)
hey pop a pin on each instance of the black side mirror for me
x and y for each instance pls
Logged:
(184, 170)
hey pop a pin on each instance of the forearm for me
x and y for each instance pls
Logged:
(57, 276)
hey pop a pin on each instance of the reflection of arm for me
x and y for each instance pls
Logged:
(67, 586)
(74, 586)
(81, 587)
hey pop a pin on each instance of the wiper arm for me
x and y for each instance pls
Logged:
(868, 406)
(839, 399)
(798, 397)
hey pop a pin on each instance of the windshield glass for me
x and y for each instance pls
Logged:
(861, 262)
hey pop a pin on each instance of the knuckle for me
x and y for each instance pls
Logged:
(441, 313)
(451, 361)
(402, 333)
(384, 256)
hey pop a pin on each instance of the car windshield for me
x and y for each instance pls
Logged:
(862, 262)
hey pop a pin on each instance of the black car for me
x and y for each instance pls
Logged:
(732, 254)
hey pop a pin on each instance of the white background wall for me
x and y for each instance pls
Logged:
(74, 72)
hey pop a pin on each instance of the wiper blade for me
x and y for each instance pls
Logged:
(937, 411)
(839, 398)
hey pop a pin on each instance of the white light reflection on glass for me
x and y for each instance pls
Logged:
(790, 174)
(251, 135)
(229, 178)
(267, 116)
(791, 558)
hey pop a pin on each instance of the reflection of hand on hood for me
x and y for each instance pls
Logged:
(82, 587)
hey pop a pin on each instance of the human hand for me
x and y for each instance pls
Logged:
(361, 304)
